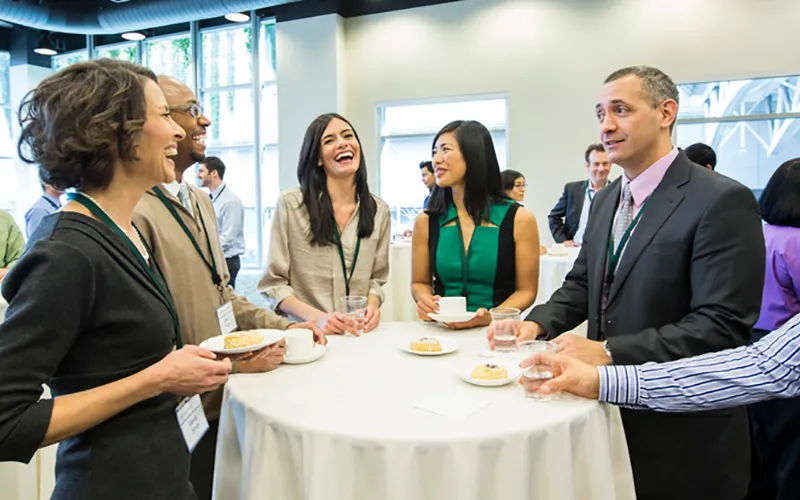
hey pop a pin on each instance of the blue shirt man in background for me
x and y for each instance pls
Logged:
(48, 203)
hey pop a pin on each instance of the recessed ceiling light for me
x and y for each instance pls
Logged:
(133, 36)
(237, 17)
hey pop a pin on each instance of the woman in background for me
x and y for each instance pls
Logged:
(472, 241)
(514, 185)
(330, 237)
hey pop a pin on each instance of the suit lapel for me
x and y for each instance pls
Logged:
(664, 200)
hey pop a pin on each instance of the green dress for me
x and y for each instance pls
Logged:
(490, 261)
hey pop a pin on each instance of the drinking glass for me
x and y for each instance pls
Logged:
(535, 375)
(503, 320)
(355, 307)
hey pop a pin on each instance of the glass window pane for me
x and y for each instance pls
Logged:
(122, 52)
(739, 97)
(61, 61)
(429, 118)
(5, 87)
(270, 190)
(747, 151)
(231, 115)
(267, 52)
(171, 56)
(269, 114)
(227, 57)
(7, 146)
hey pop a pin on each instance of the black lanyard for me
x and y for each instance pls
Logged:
(344, 265)
(464, 257)
(215, 198)
(590, 195)
(103, 217)
(614, 257)
(212, 266)
(52, 204)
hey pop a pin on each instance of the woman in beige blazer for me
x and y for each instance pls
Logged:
(330, 237)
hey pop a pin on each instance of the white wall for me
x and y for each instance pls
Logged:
(310, 71)
(551, 58)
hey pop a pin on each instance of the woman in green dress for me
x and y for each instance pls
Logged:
(472, 241)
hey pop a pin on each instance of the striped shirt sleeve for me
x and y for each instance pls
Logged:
(767, 369)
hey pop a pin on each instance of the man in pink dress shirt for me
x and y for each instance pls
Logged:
(671, 266)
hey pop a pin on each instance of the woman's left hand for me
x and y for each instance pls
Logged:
(482, 318)
(373, 317)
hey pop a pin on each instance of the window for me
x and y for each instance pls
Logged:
(61, 61)
(268, 124)
(751, 124)
(8, 198)
(407, 132)
(171, 56)
(121, 51)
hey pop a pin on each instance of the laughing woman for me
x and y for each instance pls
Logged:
(330, 238)
(472, 241)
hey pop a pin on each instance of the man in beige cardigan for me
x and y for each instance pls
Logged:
(196, 272)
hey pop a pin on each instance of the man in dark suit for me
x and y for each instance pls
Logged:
(688, 282)
(568, 219)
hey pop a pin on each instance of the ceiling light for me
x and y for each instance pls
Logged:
(45, 46)
(237, 17)
(133, 36)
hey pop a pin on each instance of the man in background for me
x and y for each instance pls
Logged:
(426, 169)
(48, 203)
(229, 211)
(702, 154)
(569, 217)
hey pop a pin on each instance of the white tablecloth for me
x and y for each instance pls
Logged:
(344, 428)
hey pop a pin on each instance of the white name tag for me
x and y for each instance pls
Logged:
(192, 420)
(227, 321)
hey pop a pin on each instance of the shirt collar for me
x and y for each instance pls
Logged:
(173, 187)
(216, 191)
(52, 198)
(645, 183)
(593, 190)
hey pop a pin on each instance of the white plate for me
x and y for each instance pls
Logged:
(217, 344)
(453, 318)
(448, 346)
(512, 366)
(318, 352)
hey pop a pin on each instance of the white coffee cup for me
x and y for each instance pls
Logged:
(452, 306)
(299, 343)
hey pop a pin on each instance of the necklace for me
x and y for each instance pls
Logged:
(142, 247)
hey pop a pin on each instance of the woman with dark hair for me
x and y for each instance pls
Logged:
(514, 185)
(89, 312)
(469, 216)
(330, 238)
(776, 424)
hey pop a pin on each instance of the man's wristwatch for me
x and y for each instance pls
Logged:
(607, 351)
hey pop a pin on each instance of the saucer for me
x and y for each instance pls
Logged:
(452, 318)
(514, 372)
(217, 344)
(319, 351)
(448, 346)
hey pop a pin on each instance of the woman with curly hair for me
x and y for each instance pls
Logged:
(89, 313)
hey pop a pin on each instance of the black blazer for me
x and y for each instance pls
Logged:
(566, 215)
(689, 282)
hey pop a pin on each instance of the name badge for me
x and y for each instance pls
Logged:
(227, 321)
(192, 420)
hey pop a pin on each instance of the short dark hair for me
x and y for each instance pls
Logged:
(213, 163)
(508, 178)
(78, 120)
(779, 202)
(702, 154)
(657, 85)
(593, 147)
(428, 165)
(482, 178)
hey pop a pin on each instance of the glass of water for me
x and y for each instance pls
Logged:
(355, 308)
(503, 324)
(535, 375)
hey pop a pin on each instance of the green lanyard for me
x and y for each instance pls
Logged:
(212, 266)
(108, 221)
(344, 265)
(464, 257)
(614, 257)
(218, 194)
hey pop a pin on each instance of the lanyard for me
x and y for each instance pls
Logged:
(591, 195)
(218, 194)
(212, 266)
(98, 212)
(614, 257)
(344, 265)
(464, 257)
(52, 204)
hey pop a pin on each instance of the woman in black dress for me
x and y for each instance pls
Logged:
(89, 313)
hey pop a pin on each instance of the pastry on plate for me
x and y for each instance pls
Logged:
(242, 339)
(426, 344)
(488, 371)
